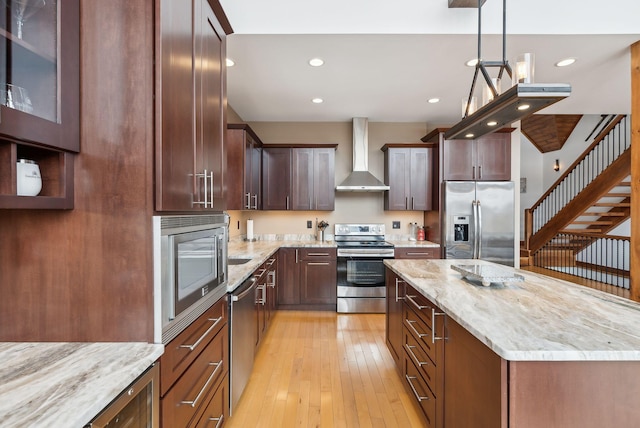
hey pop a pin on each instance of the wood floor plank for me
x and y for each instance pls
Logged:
(322, 369)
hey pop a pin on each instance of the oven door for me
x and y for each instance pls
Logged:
(198, 261)
(360, 272)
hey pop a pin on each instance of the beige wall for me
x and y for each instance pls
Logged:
(349, 207)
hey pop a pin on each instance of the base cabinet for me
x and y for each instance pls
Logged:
(193, 370)
(394, 303)
(417, 253)
(308, 278)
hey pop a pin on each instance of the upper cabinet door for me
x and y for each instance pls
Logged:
(192, 103)
(398, 177)
(302, 179)
(39, 72)
(459, 160)
(421, 196)
(494, 157)
(276, 178)
(324, 182)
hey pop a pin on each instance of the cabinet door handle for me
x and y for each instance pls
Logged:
(287, 201)
(197, 342)
(318, 264)
(433, 326)
(248, 204)
(398, 298)
(418, 397)
(218, 420)
(480, 172)
(473, 173)
(193, 402)
(413, 205)
(261, 300)
(272, 282)
(411, 323)
(409, 349)
(255, 198)
(406, 203)
(296, 255)
(211, 190)
(420, 307)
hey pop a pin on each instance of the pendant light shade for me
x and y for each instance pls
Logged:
(501, 109)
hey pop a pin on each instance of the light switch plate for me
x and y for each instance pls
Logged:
(309, 224)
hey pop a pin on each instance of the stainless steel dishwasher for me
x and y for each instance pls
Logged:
(243, 335)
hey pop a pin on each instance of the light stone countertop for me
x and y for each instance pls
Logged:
(539, 319)
(49, 384)
(405, 243)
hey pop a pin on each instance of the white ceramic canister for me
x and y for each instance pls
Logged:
(28, 178)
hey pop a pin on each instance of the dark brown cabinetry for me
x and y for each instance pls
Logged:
(417, 253)
(192, 105)
(306, 182)
(487, 158)
(307, 277)
(410, 174)
(395, 297)
(39, 100)
(244, 168)
(194, 369)
(272, 289)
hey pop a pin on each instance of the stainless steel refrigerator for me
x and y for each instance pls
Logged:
(479, 220)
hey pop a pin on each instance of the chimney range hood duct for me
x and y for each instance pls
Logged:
(360, 179)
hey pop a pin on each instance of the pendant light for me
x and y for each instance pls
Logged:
(521, 100)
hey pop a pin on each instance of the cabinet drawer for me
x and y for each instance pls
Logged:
(185, 348)
(417, 253)
(421, 331)
(180, 405)
(317, 253)
(216, 413)
(420, 391)
(421, 359)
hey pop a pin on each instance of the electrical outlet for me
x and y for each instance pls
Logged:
(396, 225)
(238, 224)
(309, 224)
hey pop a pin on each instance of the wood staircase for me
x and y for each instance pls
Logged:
(601, 205)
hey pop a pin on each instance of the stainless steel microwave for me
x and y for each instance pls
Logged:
(190, 262)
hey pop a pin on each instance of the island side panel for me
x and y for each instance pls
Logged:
(574, 394)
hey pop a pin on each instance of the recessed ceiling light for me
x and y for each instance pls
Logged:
(523, 106)
(316, 62)
(433, 100)
(230, 62)
(469, 136)
(565, 62)
(317, 100)
(492, 123)
(471, 62)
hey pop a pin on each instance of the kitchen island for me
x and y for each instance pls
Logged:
(540, 352)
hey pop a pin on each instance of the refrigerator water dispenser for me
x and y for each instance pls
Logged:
(461, 228)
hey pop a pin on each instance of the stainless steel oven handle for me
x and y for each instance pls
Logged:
(193, 402)
(197, 342)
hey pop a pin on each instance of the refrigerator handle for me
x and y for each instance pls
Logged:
(474, 213)
(479, 230)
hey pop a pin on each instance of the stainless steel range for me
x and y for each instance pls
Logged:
(361, 251)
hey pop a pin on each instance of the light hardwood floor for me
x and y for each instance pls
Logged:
(323, 369)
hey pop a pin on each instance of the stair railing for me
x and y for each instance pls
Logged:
(607, 146)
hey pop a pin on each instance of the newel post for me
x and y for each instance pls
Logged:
(634, 267)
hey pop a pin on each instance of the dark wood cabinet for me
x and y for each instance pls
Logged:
(417, 253)
(272, 288)
(191, 105)
(395, 297)
(318, 276)
(193, 369)
(307, 278)
(409, 173)
(306, 182)
(39, 101)
(276, 178)
(487, 158)
(244, 168)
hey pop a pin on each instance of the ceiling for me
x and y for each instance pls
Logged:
(385, 62)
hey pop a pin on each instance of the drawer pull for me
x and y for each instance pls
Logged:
(218, 420)
(260, 272)
(433, 326)
(271, 262)
(410, 322)
(193, 402)
(418, 254)
(192, 347)
(409, 349)
(318, 263)
(416, 303)
(414, 389)
(398, 298)
(318, 254)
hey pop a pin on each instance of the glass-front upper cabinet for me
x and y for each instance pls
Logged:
(39, 72)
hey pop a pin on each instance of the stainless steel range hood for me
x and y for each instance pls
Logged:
(360, 179)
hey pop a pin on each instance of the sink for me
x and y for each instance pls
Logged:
(238, 261)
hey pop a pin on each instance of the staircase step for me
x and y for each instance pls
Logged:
(612, 204)
(585, 231)
(625, 183)
(599, 222)
(606, 214)
(617, 195)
